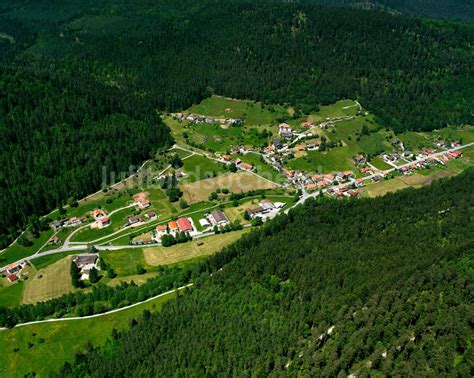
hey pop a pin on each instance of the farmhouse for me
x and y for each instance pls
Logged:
(252, 213)
(57, 225)
(103, 222)
(285, 130)
(218, 218)
(98, 213)
(203, 222)
(75, 221)
(151, 215)
(269, 149)
(173, 226)
(266, 205)
(54, 240)
(134, 220)
(307, 124)
(12, 278)
(184, 224)
(246, 166)
(277, 143)
(14, 268)
(144, 204)
(162, 228)
(359, 159)
(85, 263)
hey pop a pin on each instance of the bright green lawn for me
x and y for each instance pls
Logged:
(199, 167)
(124, 262)
(342, 108)
(10, 296)
(54, 343)
(218, 139)
(379, 163)
(17, 252)
(254, 113)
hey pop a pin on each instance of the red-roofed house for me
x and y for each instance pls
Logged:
(104, 221)
(12, 278)
(307, 124)
(184, 224)
(162, 228)
(246, 166)
(173, 226)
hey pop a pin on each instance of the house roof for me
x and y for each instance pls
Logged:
(161, 227)
(219, 216)
(104, 220)
(85, 259)
(184, 224)
(173, 225)
(246, 166)
(12, 277)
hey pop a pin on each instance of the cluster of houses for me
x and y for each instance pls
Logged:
(264, 209)
(85, 262)
(68, 222)
(182, 224)
(408, 169)
(13, 271)
(197, 118)
(322, 181)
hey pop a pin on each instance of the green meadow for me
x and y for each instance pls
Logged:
(43, 348)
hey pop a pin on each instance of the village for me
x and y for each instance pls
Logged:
(232, 169)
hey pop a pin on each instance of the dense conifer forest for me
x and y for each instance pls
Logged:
(376, 286)
(445, 9)
(82, 83)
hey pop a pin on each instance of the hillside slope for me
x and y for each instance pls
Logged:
(82, 82)
(336, 287)
(462, 10)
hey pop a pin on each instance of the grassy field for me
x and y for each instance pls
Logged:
(199, 167)
(218, 139)
(124, 262)
(156, 256)
(342, 108)
(254, 113)
(49, 282)
(379, 163)
(262, 168)
(402, 182)
(235, 182)
(43, 348)
(43, 262)
(10, 295)
(17, 251)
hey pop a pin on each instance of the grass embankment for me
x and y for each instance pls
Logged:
(43, 348)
